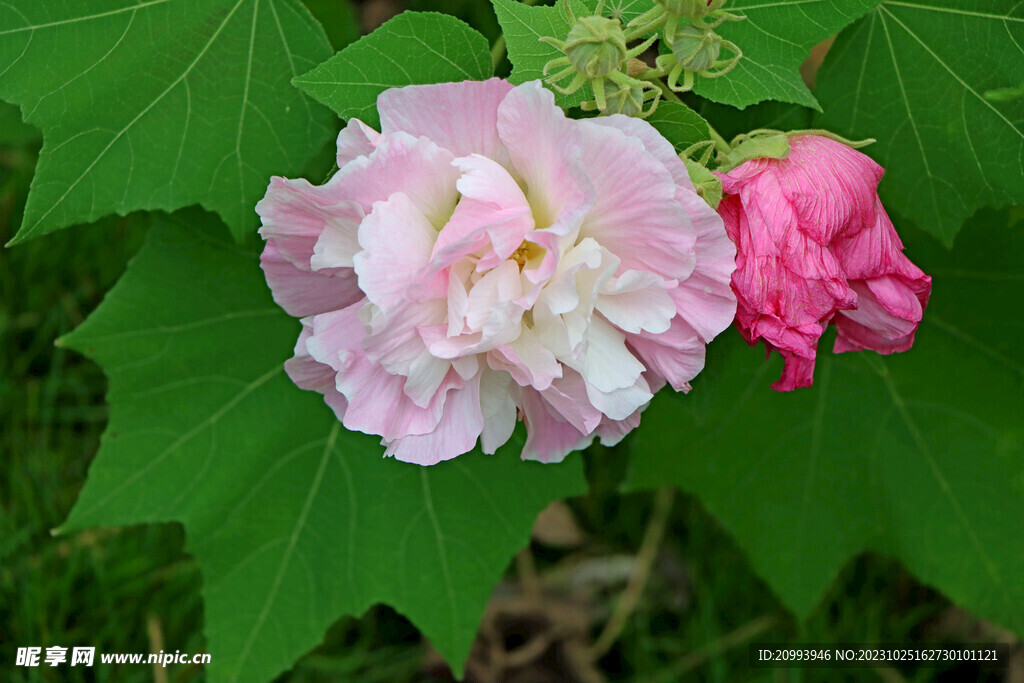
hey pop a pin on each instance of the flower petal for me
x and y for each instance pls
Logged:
(607, 363)
(498, 409)
(377, 403)
(885, 319)
(528, 361)
(313, 376)
(635, 213)
(544, 147)
(396, 343)
(637, 300)
(549, 438)
(705, 299)
(831, 186)
(295, 213)
(456, 433)
(396, 241)
(677, 354)
(796, 374)
(654, 144)
(461, 117)
(492, 207)
(301, 292)
(355, 140)
(401, 163)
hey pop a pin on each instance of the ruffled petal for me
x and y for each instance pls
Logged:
(295, 214)
(831, 186)
(614, 431)
(456, 432)
(355, 140)
(396, 241)
(705, 299)
(637, 301)
(544, 147)
(654, 144)
(797, 373)
(301, 292)
(621, 403)
(635, 214)
(395, 342)
(498, 409)
(461, 117)
(885, 320)
(308, 374)
(401, 163)
(492, 211)
(677, 354)
(607, 364)
(529, 362)
(377, 403)
(549, 437)
(568, 397)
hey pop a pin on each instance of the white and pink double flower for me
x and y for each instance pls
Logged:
(485, 259)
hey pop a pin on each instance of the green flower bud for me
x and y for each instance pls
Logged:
(696, 50)
(624, 99)
(596, 46)
(706, 183)
(690, 9)
(756, 145)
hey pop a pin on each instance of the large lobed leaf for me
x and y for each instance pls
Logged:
(160, 104)
(776, 38)
(919, 76)
(295, 520)
(413, 48)
(917, 455)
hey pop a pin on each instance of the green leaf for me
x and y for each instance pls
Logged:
(412, 48)
(523, 27)
(623, 10)
(914, 75)
(679, 124)
(294, 520)
(776, 38)
(918, 455)
(13, 131)
(160, 104)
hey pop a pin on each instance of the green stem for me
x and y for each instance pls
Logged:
(721, 144)
(498, 50)
(642, 565)
(667, 91)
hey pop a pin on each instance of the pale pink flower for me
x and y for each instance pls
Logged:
(815, 246)
(485, 259)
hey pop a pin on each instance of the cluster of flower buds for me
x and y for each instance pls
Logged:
(596, 52)
(695, 47)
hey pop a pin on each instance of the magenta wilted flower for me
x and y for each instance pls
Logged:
(485, 259)
(814, 246)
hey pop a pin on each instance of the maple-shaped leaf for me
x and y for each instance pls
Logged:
(160, 104)
(917, 455)
(413, 48)
(295, 521)
(776, 37)
(940, 85)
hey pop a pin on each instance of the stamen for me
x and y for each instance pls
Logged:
(526, 252)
